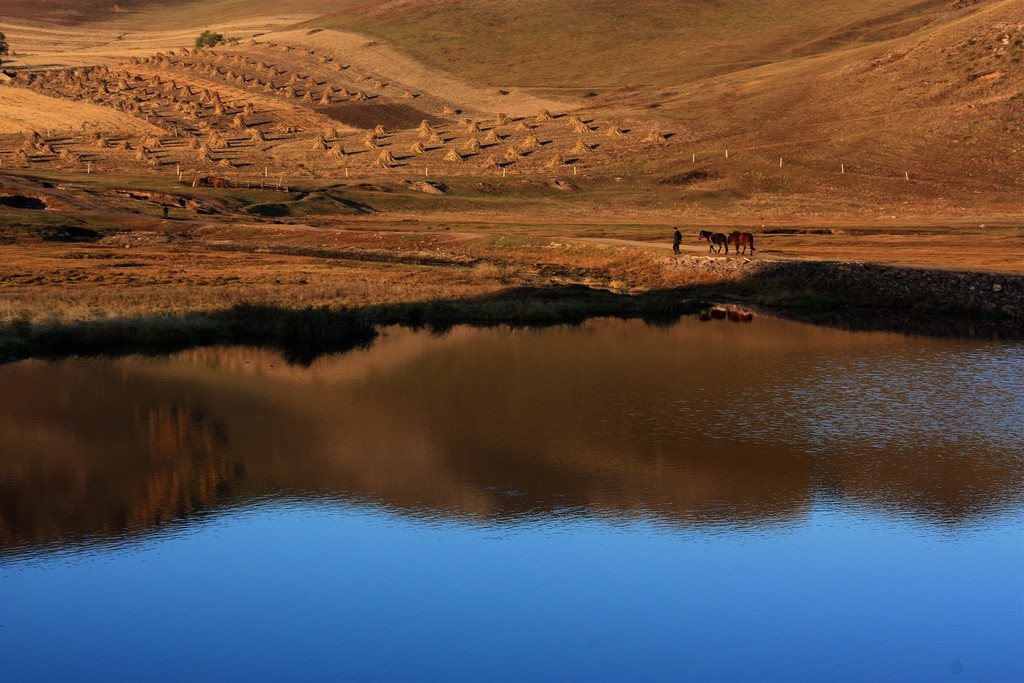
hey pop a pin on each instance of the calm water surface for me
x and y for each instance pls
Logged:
(708, 501)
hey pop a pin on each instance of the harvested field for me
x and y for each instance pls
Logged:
(23, 111)
(248, 108)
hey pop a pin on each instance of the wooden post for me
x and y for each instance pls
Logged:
(842, 168)
(88, 167)
(907, 174)
(694, 157)
(346, 171)
(780, 162)
(574, 170)
(503, 169)
(726, 154)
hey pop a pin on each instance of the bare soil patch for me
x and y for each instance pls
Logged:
(392, 116)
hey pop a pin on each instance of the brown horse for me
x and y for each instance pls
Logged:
(716, 241)
(210, 181)
(742, 240)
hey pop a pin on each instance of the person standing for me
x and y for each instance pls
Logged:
(677, 237)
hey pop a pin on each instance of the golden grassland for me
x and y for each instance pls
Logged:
(430, 162)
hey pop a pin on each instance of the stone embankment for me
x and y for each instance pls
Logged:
(867, 284)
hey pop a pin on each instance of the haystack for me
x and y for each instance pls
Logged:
(408, 95)
(308, 97)
(453, 155)
(385, 160)
(435, 139)
(503, 119)
(555, 161)
(238, 122)
(655, 136)
(226, 163)
(580, 148)
(543, 115)
(256, 135)
(336, 152)
(370, 141)
(615, 132)
(425, 128)
(380, 131)
(511, 153)
(581, 128)
(325, 99)
(360, 96)
(418, 148)
(473, 127)
(492, 137)
(472, 145)
(448, 111)
(531, 142)
(216, 141)
(319, 144)
(522, 127)
(490, 162)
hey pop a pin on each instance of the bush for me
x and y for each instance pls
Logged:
(209, 39)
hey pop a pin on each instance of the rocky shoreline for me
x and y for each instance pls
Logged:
(926, 289)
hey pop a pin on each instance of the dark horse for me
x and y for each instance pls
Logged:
(716, 241)
(742, 239)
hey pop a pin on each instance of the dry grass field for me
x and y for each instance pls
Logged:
(392, 152)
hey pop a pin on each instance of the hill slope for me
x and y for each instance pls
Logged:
(552, 43)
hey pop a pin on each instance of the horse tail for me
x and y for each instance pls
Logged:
(751, 244)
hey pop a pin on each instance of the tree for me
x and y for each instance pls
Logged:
(3, 47)
(209, 39)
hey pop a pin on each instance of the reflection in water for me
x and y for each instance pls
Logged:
(695, 425)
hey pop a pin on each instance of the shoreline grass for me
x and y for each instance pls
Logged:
(302, 335)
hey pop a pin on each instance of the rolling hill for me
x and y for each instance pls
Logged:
(846, 104)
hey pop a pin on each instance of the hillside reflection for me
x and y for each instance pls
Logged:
(695, 425)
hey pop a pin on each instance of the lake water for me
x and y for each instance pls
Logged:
(758, 501)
